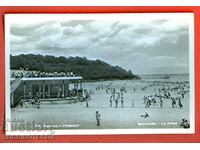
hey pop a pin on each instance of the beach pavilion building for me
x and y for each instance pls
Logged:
(45, 88)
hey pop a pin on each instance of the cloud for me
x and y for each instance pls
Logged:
(141, 45)
(78, 29)
(76, 22)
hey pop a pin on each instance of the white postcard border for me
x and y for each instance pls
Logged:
(8, 20)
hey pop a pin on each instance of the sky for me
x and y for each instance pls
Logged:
(143, 43)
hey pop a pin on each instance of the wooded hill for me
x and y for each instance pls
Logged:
(81, 66)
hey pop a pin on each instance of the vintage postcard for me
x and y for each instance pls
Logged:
(130, 73)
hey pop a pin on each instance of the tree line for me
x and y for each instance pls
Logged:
(81, 66)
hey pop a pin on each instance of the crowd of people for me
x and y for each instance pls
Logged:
(35, 103)
(37, 74)
(171, 91)
(165, 92)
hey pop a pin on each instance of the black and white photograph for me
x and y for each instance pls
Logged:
(130, 73)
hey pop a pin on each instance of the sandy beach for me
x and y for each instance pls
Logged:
(62, 115)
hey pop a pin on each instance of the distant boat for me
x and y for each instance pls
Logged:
(166, 77)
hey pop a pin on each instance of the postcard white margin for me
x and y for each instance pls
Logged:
(10, 17)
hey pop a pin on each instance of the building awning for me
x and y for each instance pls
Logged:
(51, 78)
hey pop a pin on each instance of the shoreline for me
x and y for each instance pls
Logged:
(102, 80)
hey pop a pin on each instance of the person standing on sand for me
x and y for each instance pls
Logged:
(133, 103)
(113, 94)
(169, 95)
(180, 103)
(111, 101)
(182, 95)
(148, 102)
(173, 102)
(122, 102)
(117, 99)
(87, 104)
(38, 104)
(161, 103)
(116, 102)
(98, 117)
